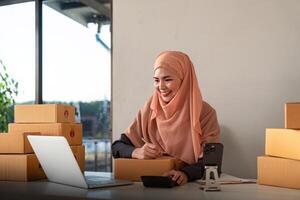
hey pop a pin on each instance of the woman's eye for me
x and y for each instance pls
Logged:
(156, 81)
(168, 79)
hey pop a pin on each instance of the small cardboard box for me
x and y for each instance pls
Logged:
(133, 169)
(44, 113)
(79, 153)
(15, 142)
(283, 143)
(292, 115)
(278, 172)
(20, 167)
(71, 131)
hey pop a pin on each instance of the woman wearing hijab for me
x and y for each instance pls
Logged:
(174, 121)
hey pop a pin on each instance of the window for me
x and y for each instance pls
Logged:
(17, 47)
(76, 69)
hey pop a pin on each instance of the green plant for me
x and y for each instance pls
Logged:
(8, 90)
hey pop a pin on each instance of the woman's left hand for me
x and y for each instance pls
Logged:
(178, 176)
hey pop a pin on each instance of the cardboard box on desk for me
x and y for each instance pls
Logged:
(79, 153)
(283, 143)
(26, 167)
(44, 113)
(20, 167)
(133, 169)
(71, 131)
(292, 115)
(280, 172)
(15, 142)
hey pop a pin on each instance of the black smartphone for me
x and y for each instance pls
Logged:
(213, 155)
(158, 181)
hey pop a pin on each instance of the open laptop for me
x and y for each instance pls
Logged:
(60, 165)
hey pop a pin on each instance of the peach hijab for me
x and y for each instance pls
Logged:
(173, 127)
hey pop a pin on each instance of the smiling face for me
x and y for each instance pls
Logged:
(166, 83)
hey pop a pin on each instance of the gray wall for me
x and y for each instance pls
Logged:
(246, 55)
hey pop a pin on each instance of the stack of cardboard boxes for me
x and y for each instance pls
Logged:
(281, 165)
(44, 119)
(17, 160)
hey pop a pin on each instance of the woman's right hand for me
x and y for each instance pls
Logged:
(148, 151)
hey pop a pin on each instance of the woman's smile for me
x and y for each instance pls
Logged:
(166, 83)
(165, 93)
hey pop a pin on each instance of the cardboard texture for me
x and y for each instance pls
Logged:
(79, 153)
(278, 172)
(71, 131)
(133, 169)
(292, 115)
(283, 143)
(16, 142)
(20, 167)
(44, 113)
(26, 167)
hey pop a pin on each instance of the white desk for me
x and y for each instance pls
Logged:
(47, 190)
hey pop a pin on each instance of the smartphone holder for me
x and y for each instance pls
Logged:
(211, 179)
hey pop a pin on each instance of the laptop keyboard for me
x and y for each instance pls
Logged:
(94, 181)
(98, 181)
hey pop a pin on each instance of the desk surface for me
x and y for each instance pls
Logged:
(48, 190)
